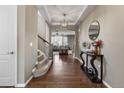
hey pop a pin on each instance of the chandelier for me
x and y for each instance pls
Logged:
(64, 23)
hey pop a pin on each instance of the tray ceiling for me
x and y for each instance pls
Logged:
(54, 13)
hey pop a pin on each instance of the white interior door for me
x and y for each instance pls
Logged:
(7, 45)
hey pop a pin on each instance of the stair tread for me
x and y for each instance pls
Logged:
(45, 66)
(41, 63)
(43, 70)
(40, 58)
(42, 66)
(40, 55)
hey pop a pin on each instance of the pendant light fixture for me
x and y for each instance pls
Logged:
(64, 23)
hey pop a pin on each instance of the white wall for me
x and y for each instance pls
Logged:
(27, 34)
(111, 20)
(20, 43)
(30, 40)
(44, 32)
(43, 28)
(47, 33)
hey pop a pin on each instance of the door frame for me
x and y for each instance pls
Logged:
(16, 11)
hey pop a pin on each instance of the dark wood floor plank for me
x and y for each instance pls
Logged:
(64, 73)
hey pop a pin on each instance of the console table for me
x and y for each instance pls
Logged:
(92, 72)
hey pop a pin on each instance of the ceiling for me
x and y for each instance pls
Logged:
(54, 13)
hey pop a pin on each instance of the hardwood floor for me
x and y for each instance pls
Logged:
(64, 73)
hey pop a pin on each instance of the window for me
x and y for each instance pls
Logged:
(59, 40)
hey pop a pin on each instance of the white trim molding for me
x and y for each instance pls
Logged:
(28, 80)
(15, 37)
(106, 84)
(22, 85)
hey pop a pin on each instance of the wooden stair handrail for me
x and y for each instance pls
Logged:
(44, 40)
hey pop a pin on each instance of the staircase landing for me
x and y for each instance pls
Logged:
(64, 73)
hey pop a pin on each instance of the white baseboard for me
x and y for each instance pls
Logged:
(106, 84)
(20, 86)
(24, 84)
(79, 60)
(28, 80)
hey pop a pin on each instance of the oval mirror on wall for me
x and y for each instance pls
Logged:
(94, 30)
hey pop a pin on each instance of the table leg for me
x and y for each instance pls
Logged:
(101, 68)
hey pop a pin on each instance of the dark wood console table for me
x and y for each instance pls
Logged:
(92, 72)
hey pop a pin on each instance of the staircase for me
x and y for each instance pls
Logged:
(42, 66)
(44, 58)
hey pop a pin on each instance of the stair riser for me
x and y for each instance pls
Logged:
(38, 72)
(40, 65)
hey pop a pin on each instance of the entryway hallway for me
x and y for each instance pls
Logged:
(64, 73)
